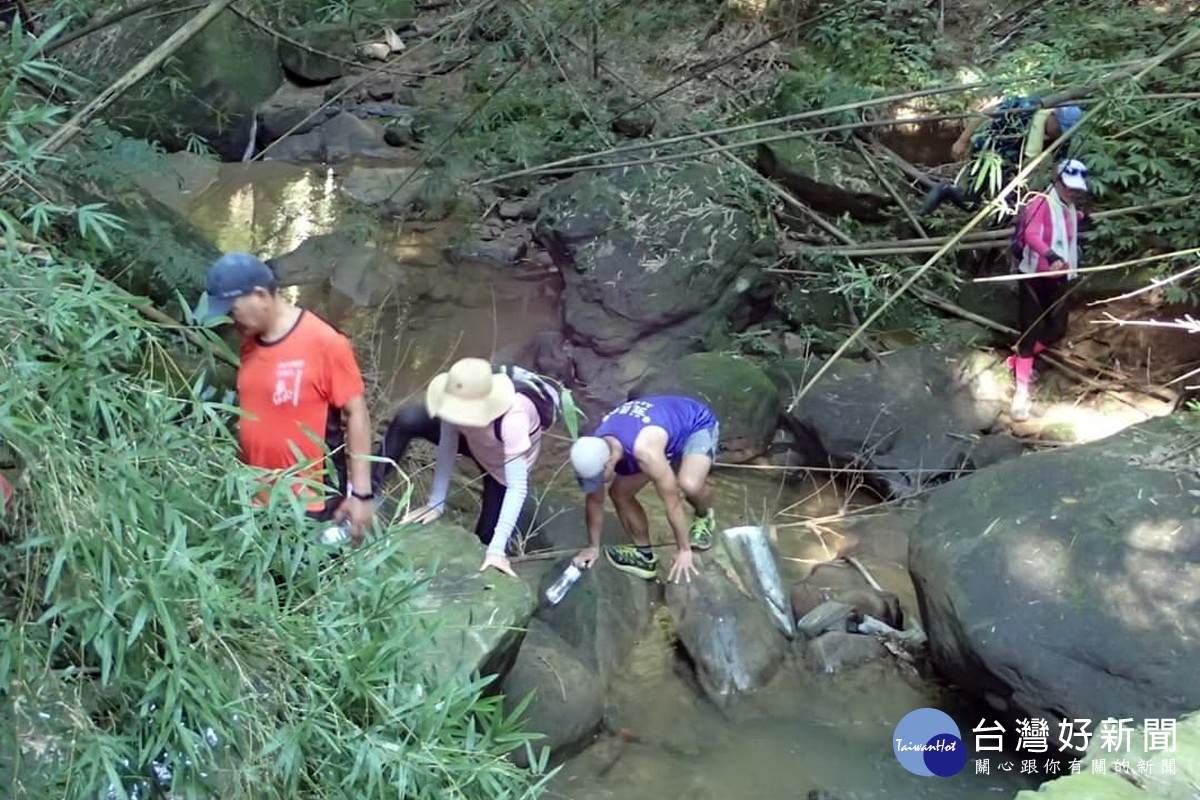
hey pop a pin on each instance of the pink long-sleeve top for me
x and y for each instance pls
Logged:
(1039, 230)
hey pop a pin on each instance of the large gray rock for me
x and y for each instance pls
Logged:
(653, 260)
(475, 620)
(307, 66)
(1062, 584)
(223, 74)
(574, 648)
(567, 702)
(910, 419)
(734, 645)
(826, 176)
(346, 137)
(291, 111)
(365, 274)
(390, 190)
(739, 393)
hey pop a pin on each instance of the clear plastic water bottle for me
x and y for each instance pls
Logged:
(335, 535)
(558, 590)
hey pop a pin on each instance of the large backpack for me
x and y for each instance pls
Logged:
(1005, 132)
(1016, 244)
(546, 394)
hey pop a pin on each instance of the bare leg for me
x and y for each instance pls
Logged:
(693, 482)
(631, 513)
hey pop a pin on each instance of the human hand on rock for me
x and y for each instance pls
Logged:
(499, 562)
(586, 557)
(683, 565)
(423, 515)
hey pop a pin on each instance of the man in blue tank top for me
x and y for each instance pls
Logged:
(668, 440)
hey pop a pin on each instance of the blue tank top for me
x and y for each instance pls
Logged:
(680, 417)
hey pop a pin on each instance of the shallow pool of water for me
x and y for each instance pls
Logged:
(804, 731)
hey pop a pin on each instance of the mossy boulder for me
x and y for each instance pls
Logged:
(653, 261)
(219, 78)
(827, 176)
(310, 61)
(739, 393)
(475, 620)
(1062, 584)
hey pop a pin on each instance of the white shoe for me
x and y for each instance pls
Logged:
(1021, 406)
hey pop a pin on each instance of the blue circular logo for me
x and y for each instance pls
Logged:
(928, 743)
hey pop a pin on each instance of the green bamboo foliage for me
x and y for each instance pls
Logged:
(161, 633)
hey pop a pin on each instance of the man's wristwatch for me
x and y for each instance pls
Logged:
(367, 496)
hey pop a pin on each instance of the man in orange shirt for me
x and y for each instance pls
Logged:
(297, 380)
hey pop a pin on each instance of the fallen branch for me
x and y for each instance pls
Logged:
(715, 147)
(905, 167)
(1151, 287)
(891, 189)
(770, 185)
(1058, 273)
(1053, 355)
(820, 112)
(998, 236)
(1187, 323)
(155, 59)
(283, 37)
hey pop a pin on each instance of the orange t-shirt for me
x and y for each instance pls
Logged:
(291, 392)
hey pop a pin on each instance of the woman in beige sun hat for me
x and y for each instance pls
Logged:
(472, 404)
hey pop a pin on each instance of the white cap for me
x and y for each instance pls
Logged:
(589, 455)
(1073, 174)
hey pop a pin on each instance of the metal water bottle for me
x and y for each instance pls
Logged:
(558, 590)
(335, 535)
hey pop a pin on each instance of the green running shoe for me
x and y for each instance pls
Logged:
(628, 558)
(702, 531)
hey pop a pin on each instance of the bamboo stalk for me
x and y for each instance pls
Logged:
(153, 60)
(941, 90)
(804, 23)
(688, 137)
(1148, 288)
(267, 29)
(905, 167)
(101, 24)
(909, 246)
(1082, 270)
(771, 186)
(716, 147)
(887, 184)
(1059, 359)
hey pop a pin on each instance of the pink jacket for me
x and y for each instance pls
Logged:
(1039, 230)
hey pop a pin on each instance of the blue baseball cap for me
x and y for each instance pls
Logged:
(1068, 116)
(231, 276)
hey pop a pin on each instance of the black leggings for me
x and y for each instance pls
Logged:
(1042, 312)
(414, 422)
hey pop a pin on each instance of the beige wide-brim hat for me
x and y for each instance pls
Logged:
(470, 394)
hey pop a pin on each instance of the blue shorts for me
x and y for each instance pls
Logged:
(703, 442)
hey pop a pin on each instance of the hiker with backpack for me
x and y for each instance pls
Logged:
(496, 419)
(1045, 240)
(1016, 130)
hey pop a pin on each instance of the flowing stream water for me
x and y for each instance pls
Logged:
(804, 730)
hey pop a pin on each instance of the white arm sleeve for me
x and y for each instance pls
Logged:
(516, 479)
(447, 449)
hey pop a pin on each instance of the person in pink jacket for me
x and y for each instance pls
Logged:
(1050, 235)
